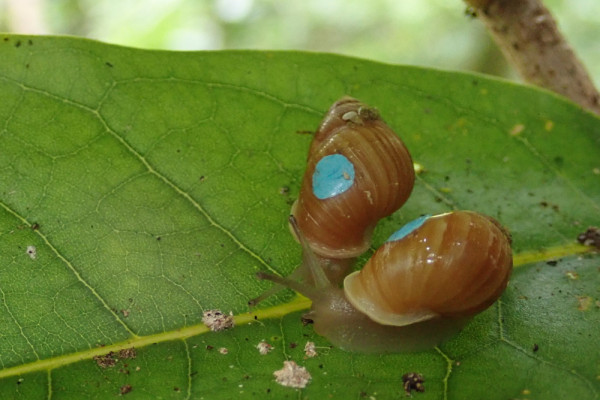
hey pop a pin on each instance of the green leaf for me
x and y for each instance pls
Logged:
(152, 186)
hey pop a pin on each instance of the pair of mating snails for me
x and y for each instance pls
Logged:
(418, 288)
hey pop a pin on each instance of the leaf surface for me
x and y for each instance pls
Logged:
(154, 185)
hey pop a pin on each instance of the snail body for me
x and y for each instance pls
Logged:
(418, 289)
(358, 171)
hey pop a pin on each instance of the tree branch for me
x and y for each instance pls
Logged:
(530, 39)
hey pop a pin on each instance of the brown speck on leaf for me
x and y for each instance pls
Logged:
(106, 360)
(413, 381)
(125, 313)
(535, 347)
(223, 350)
(306, 320)
(584, 303)
(216, 321)
(292, 375)
(284, 190)
(125, 389)
(591, 237)
(128, 353)
(293, 345)
(35, 226)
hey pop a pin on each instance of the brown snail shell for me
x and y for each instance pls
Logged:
(454, 264)
(417, 290)
(376, 168)
(358, 171)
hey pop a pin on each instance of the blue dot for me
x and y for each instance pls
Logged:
(408, 228)
(333, 175)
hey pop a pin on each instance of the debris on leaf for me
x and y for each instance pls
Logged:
(584, 303)
(126, 389)
(310, 350)
(264, 348)
(292, 375)
(127, 353)
(32, 251)
(106, 360)
(223, 350)
(413, 381)
(216, 321)
(591, 237)
(572, 275)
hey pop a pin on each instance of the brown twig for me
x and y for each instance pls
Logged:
(530, 39)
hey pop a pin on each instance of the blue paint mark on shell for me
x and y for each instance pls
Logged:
(334, 174)
(408, 228)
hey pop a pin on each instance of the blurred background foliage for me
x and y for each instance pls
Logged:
(431, 33)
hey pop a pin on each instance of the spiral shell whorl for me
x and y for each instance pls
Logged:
(341, 226)
(453, 265)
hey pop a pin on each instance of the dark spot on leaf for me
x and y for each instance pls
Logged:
(108, 64)
(413, 381)
(284, 190)
(18, 44)
(6, 39)
(535, 347)
(158, 238)
(125, 389)
(293, 345)
(202, 178)
(209, 347)
(558, 160)
(591, 237)
(176, 389)
(30, 42)
(35, 226)
(552, 263)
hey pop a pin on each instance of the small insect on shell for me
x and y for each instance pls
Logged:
(358, 171)
(451, 265)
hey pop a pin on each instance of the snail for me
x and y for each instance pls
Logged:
(418, 289)
(358, 171)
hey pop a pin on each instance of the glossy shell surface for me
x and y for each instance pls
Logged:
(451, 265)
(339, 205)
